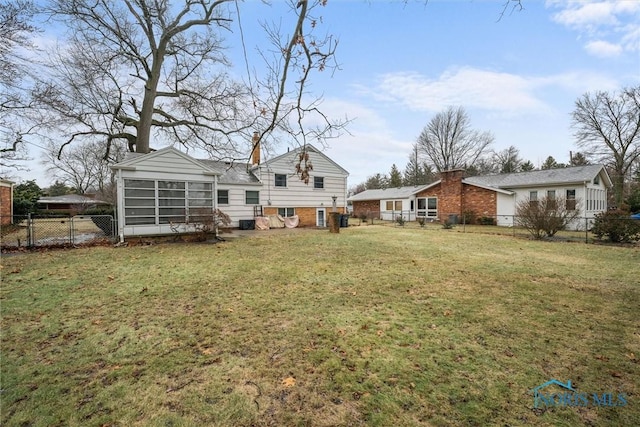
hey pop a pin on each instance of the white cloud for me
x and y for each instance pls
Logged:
(610, 27)
(471, 87)
(603, 49)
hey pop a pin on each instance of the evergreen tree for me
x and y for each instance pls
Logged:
(25, 197)
(395, 177)
(527, 166)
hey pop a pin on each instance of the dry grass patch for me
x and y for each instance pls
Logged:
(373, 326)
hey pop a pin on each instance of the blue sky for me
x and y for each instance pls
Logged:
(518, 76)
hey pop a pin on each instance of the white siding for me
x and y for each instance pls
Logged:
(506, 209)
(297, 193)
(390, 215)
(237, 209)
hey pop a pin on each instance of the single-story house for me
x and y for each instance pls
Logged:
(6, 201)
(493, 196)
(69, 203)
(163, 188)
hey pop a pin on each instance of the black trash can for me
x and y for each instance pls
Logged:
(344, 220)
(247, 224)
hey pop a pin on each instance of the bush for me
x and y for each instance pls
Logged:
(469, 217)
(447, 225)
(486, 220)
(545, 217)
(400, 220)
(616, 226)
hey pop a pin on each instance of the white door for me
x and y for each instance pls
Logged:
(320, 218)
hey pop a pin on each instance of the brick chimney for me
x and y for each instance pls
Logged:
(451, 193)
(255, 151)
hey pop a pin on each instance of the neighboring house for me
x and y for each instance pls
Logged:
(387, 203)
(6, 201)
(495, 196)
(69, 203)
(158, 190)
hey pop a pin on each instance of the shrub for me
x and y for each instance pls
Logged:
(447, 225)
(422, 221)
(400, 220)
(616, 226)
(486, 220)
(469, 217)
(545, 217)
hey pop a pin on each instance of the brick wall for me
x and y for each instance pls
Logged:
(450, 200)
(5, 204)
(480, 201)
(306, 215)
(454, 197)
(366, 207)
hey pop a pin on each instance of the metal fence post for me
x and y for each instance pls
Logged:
(29, 231)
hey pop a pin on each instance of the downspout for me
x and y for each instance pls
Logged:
(120, 207)
(215, 202)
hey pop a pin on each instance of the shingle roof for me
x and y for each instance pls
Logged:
(575, 174)
(231, 173)
(388, 193)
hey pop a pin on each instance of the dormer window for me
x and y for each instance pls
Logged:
(596, 180)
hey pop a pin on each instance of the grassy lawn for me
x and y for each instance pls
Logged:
(375, 326)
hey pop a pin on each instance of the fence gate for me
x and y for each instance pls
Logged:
(37, 231)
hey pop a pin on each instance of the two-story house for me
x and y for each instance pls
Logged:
(166, 188)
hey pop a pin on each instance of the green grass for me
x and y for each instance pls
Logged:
(373, 326)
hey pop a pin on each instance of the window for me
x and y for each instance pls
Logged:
(533, 198)
(318, 182)
(392, 205)
(286, 212)
(427, 207)
(171, 201)
(432, 207)
(149, 202)
(252, 197)
(281, 180)
(223, 197)
(139, 202)
(596, 180)
(571, 200)
(551, 199)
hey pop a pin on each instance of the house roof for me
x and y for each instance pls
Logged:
(570, 175)
(232, 173)
(389, 193)
(72, 199)
(132, 159)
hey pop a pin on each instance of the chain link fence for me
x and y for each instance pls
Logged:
(33, 231)
(580, 229)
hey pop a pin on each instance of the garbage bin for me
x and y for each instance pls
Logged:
(453, 219)
(247, 224)
(344, 220)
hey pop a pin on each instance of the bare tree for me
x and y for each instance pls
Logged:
(84, 167)
(449, 142)
(508, 160)
(141, 68)
(15, 35)
(607, 126)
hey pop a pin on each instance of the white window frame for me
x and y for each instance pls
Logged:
(162, 201)
(423, 209)
(286, 212)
